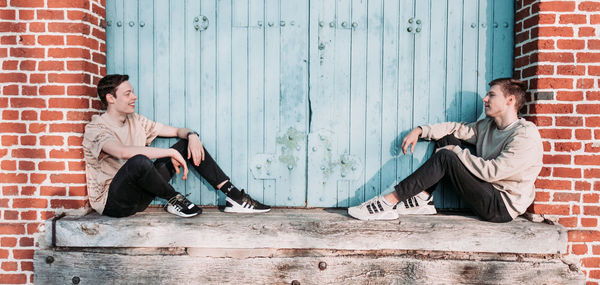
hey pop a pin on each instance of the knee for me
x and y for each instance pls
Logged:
(140, 161)
(446, 156)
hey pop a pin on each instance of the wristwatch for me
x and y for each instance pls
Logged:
(192, 133)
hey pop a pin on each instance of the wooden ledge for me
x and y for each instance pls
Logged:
(307, 229)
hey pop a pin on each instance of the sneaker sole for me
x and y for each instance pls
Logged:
(181, 214)
(373, 217)
(244, 211)
(422, 211)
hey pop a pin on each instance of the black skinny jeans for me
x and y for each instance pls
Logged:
(483, 198)
(140, 180)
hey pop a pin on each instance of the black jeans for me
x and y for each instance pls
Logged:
(140, 180)
(483, 198)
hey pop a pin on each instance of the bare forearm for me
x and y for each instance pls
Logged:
(182, 133)
(128, 152)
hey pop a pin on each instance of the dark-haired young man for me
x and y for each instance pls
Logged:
(497, 182)
(121, 177)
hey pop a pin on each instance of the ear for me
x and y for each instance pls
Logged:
(511, 100)
(110, 99)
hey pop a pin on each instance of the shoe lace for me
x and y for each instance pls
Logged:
(180, 201)
(246, 198)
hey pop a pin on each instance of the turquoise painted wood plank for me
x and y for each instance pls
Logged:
(145, 90)
(223, 70)
(484, 56)
(446, 197)
(503, 42)
(319, 45)
(406, 70)
(340, 125)
(118, 36)
(373, 51)
(358, 102)
(438, 72)
(271, 85)
(322, 185)
(163, 64)
(239, 93)
(192, 89)
(389, 153)
(469, 71)
(111, 35)
(131, 44)
(177, 96)
(256, 89)
(208, 91)
(291, 186)
(421, 77)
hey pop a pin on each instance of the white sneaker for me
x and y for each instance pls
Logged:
(420, 204)
(374, 209)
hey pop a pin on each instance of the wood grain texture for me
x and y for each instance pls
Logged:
(102, 268)
(309, 228)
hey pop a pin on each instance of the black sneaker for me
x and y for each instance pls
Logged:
(181, 206)
(245, 205)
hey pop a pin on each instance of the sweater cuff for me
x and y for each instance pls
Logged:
(426, 131)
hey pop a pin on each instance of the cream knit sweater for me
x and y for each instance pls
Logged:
(509, 159)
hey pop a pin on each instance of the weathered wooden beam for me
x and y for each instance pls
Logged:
(309, 228)
(58, 267)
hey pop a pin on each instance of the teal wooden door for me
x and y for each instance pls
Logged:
(304, 103)
(380, 68)
(235, 71)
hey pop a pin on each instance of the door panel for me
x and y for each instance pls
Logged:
(305, 103)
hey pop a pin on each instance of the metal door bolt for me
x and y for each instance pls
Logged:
(142, 24)
(49, 259)
(119, 23)
(131, 23)
(282, 23)
(75, 280)
(331, 24)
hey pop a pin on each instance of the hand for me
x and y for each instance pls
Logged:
(411, 139)
(195, 149)
(177, 161)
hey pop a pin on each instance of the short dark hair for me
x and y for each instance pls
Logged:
(514, 87)
(108, 85)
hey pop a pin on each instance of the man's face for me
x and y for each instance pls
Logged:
(124, 101)
(496, 103)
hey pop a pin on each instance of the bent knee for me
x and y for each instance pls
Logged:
(140, 160)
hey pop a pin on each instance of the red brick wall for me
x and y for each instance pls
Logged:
(52, 52)
(558, 52)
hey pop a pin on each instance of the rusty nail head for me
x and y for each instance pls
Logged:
(49, 259)
(295, 282)
(322, 265)
(76, 280)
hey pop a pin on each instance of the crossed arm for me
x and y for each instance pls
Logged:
(195, 149)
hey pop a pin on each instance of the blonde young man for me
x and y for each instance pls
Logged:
(497, 181)
(122, 179)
